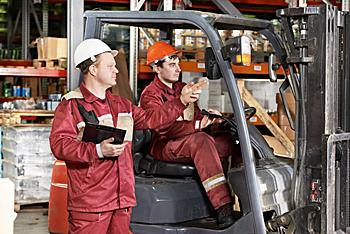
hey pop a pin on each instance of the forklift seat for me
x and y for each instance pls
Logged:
(145, 164)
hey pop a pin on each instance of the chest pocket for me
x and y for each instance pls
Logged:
(126, 122)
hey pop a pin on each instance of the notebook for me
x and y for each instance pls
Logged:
(97, 133)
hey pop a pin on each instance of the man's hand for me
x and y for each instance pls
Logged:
(190, 92)
(111, 150)
(206, 121)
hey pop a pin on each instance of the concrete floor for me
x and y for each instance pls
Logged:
(31, 221)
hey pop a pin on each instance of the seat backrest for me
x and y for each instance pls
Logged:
(141, 141)
(144, 163)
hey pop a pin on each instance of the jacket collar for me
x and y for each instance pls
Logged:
(88, 96)
(163, 87)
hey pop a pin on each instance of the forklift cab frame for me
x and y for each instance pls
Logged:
(209, 23)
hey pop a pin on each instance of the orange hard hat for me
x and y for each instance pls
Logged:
(159, 51)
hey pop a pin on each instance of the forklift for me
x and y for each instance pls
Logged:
(308, 195)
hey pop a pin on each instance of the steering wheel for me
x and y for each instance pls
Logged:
(249, 112)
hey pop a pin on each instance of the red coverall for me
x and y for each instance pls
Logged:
(182, 142)
(101, 191)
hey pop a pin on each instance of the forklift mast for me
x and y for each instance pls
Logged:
(317, 43)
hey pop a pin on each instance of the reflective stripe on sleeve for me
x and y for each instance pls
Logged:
(60, 185)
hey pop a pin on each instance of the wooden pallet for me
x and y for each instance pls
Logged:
(15, 117)
(267, 120)
(31, 205)
(59, 63)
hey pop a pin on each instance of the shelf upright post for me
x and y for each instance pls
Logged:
(75, 36)
(135, 5)
(25, 28)
(45, 17)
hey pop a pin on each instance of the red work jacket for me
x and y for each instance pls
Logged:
(94, 184)
(155, 96)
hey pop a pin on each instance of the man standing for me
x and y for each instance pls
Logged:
(183, 141)
(101, 190)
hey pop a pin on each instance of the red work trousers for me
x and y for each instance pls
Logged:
(205, 152)
(111, 222)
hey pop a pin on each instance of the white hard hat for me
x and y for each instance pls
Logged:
(89, 48)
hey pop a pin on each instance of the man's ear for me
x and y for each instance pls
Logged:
(156, 69)
(92, 70)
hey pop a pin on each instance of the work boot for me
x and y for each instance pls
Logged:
(225, 216)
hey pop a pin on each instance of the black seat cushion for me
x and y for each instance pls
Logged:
(144, 163)
(150, 166)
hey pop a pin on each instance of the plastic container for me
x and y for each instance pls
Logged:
(58, 214)
(7, 214)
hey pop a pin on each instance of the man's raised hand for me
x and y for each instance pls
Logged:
(190, 92)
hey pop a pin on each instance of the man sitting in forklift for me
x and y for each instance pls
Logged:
(185, 140)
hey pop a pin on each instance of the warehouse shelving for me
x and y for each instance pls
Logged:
(24, 70)
(188, 66)
(32, 72)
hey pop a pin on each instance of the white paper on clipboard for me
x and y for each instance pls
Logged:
(126, 122)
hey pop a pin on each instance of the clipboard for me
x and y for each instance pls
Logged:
(97, 133)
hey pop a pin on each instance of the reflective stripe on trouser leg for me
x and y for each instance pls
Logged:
(214, 182)
(200, 148)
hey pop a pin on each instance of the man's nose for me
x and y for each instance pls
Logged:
(178, 68)
(116, 70)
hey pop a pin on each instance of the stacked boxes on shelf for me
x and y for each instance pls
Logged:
(219, 98)
(28, 161)
(192, 43)
(51, 47)
(264, 92)
(144, 41)
(215, 95)
(192, 39)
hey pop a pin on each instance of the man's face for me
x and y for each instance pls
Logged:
(106, 72)
(170, 71)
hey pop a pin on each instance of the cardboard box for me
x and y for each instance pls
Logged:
(283, 119)
(51, 47)
(227, 103)
(290, 102)
(214, 87)
(264, 92)
(216, 102)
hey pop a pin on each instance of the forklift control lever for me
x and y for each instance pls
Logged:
(210, 115)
